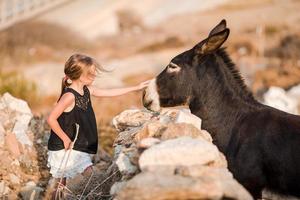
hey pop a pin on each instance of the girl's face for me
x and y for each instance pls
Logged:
(88, 76)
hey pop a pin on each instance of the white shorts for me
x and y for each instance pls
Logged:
(77, 162)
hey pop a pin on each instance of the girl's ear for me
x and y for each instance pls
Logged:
(213, 42)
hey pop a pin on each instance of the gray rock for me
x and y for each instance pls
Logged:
(126, 137)
(125, 166)
(182, 151)
(160, 186)
(229, 186)
(117, 186)
(131, 118)
(31, 191)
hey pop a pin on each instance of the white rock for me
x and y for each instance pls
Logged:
(294, 92)
(15, 162)
(182, 151)
(15, 104)
(14, 179)
(20, 129)
(30, 184)
(4, 190)
(148, 142)
(2, 134)
(23, 117)
(276, 97)
(125, 165)
(116, 187)
(179, 115)
(185, 116)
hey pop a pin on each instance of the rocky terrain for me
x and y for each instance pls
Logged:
(162, 155)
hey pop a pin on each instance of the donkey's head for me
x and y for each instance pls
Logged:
(176, 84)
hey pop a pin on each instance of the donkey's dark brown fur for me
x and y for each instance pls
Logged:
(261, 143)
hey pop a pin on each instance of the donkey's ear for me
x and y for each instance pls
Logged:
(213, 42)
(220, 27)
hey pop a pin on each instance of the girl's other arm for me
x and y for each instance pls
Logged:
(65, 101)
(97, 92)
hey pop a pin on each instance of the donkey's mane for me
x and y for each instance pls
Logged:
(235, 73)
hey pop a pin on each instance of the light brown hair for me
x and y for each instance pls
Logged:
(75, 66)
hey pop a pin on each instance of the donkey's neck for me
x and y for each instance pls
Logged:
(221, 101)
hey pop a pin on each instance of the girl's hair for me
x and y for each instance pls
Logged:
(75, 66)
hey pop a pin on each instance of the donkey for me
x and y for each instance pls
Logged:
(261, 143)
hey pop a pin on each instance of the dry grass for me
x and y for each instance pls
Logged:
(19, 87)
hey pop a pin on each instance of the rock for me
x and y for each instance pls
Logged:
(126, 137)
(221, 162)
(168, 115)
(4, 117)
(31, 191)
(185, 116)
(150, 129)
(117, 186)
(2, 136)
(277, 98)
(125, 166)
(158, 186)
(171, 130)
(15, 104)
(182, 151)
(22, 118)
(4, 190)
(131, 118)
(20, 129)
(230, 187)
(14, 179)
(294, 92)
(15, 162)
(12, 144)
(147, 142)
(183, 129)
(133, 154)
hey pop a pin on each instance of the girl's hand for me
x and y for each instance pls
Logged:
(143, 84)
(67, 143)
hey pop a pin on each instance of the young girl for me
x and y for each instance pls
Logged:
(74, 106)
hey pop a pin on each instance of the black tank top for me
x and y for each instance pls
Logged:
(82, 114)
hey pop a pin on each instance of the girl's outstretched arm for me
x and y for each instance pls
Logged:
(67, 100)
(97, 92)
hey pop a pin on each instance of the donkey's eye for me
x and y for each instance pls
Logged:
(172, 67)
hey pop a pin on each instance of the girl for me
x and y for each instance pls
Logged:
(74, 106)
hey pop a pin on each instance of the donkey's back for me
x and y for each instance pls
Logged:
(264, 151)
